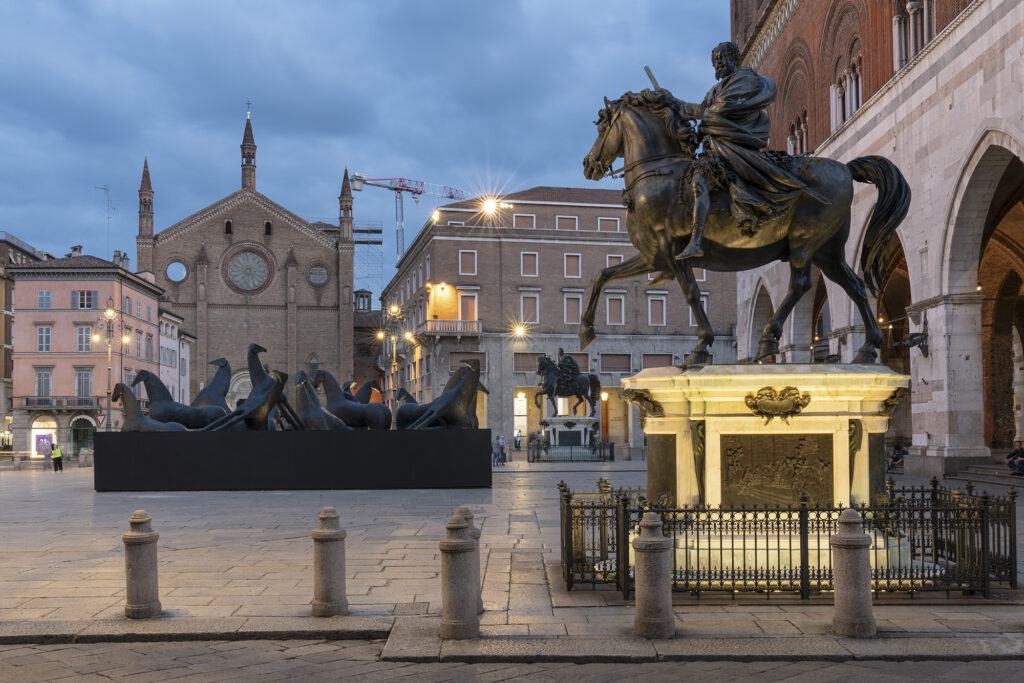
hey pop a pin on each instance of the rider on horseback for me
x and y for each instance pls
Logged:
(568, 368)
(734, 128)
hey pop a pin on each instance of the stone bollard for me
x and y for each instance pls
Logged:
(653, 571)
(851, 578)
(459, 619)
(143, 590)
(329, 566)
(474, 533)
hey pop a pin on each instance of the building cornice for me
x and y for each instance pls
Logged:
(767, 31)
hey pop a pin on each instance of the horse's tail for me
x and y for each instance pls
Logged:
(595, 388)
(889, 211)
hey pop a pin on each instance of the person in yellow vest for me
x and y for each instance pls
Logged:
(57, 455)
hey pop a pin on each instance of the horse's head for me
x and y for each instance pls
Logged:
(141, 376)
(652, 126)
(301, 377)
(608, 146)
(544, 364)
(118, 392)
(347, 386)
(219, 362)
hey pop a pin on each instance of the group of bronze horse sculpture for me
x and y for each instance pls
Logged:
(267, 408)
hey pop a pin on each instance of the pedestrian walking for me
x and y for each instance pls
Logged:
(496, 452)
(57, 455)
(502, 448)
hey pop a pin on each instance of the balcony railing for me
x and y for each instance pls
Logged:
(457, 327)
(66, 402)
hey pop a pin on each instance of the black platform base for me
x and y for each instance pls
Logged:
(254, 461)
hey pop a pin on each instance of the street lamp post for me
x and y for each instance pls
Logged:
(109, 314)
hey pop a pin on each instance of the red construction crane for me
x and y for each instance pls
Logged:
(400, 186)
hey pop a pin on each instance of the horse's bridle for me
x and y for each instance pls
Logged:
(626, 168)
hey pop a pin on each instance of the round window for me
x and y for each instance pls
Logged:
(248, 271)
(176, 272)
(317, 275)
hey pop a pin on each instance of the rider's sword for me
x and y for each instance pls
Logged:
(650, 75)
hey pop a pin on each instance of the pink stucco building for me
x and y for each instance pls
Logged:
(61, 330)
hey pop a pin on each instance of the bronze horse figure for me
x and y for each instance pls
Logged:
(215, 393)
(409, 410)
(267, 393)
(134, 420)
(352, 413)
(163, 407)
(585, 387)
(636, 128)
(365, 393)
(455, 408)
(310, 412)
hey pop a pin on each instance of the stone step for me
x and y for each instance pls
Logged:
(978, 480)
(994, 469)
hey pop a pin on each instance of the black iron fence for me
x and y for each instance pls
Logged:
(923, 539)
(600, 452)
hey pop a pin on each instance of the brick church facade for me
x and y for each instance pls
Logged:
(935, 86)
(246, 269)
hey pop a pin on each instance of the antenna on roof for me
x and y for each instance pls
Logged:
(110, 211)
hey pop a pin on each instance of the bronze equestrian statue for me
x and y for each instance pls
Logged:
(733, 207)
(563, 379)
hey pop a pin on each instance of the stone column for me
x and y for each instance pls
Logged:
(459, 618)
(653, 568)
(474, 533)
(851, 578)
(140, 563)
(329, 566)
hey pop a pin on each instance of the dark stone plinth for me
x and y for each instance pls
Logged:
(661, 466)
(258, 461)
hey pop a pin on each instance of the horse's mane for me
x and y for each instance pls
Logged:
(660, 104)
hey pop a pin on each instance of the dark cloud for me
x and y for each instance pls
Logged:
(477, 95)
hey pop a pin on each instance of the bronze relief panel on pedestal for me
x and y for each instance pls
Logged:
(776, 468)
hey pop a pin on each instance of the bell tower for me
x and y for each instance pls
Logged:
(345, 209)
(248, 155)
(144, 240)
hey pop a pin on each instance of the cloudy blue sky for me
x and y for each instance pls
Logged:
(480, 95)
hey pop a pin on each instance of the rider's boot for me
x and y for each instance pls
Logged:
(694, 249)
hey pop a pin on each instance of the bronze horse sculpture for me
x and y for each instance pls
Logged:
(585, 387)
(266, 395)
(455, 408)
(163, 407)
(365, 393)
(636, 128)
(134, 420)
(352, 413)
(309, 410)
(215, 393)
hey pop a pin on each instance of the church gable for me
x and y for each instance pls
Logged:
(244, 214)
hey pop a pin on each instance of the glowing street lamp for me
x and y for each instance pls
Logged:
(490, 206)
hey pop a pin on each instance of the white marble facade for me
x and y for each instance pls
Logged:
(952, 120)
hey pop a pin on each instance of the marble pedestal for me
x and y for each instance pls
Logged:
(569, 430)
(727, 453)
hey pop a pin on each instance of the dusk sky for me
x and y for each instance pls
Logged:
(483, 96)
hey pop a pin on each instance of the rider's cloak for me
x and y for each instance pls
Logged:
(734, 129)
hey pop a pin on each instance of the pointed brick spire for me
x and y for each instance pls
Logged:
(247, 138)
(146, 186)
(345, 208)
(248, 156)
(346, 186)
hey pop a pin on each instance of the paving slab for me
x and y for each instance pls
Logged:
(790, 648)
(532, 649)
(413, 639)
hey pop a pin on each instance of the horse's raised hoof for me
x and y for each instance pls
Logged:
(694, 360)
(767, 347)
(867, 355)
(587, 335)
